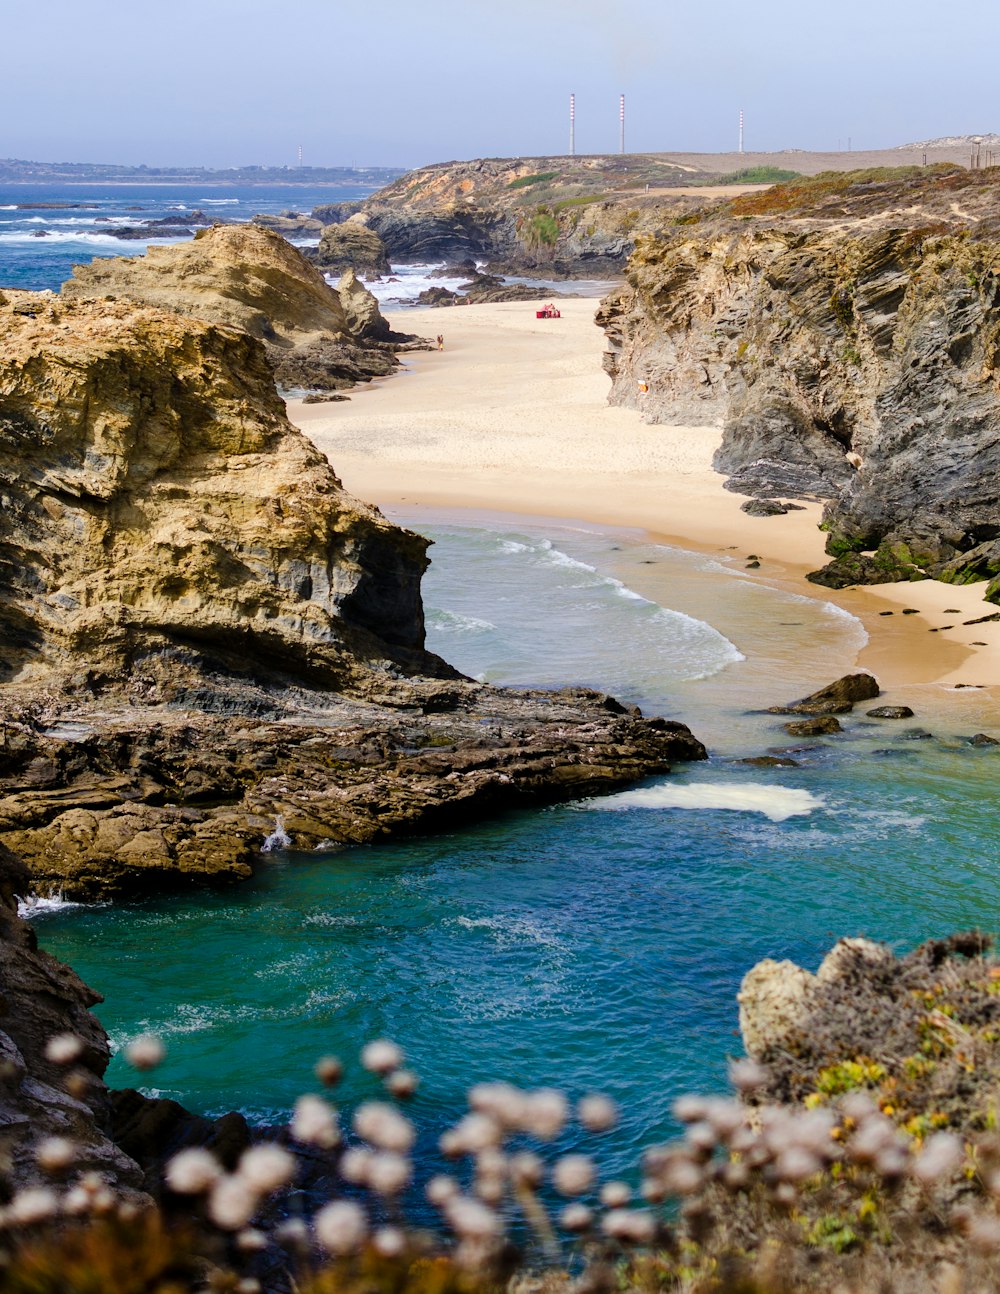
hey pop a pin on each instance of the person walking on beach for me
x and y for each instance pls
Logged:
(440, 341)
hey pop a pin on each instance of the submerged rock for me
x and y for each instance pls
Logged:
(819, 727)
(890, 712)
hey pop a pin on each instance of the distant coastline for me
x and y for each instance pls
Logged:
(18, 171)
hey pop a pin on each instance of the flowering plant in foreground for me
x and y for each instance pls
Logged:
(837, 1185)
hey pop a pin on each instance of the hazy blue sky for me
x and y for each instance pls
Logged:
(228, 82)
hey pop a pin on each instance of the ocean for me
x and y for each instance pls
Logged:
(40, 245)
(591, 946)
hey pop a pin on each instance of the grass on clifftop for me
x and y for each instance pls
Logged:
(758, 175)
(808, 190)
(525, 181)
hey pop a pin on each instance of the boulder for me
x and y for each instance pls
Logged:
(819, 727)
(352, 246)
(775, 1000)
(361, 309)
(890, 712)
(836, 698)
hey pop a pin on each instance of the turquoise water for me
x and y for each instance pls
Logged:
(589, 946)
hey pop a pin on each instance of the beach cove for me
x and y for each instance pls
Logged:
(597, 944)
(512, 417)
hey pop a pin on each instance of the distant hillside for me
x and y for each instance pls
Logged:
(16, 171)
(958, 141)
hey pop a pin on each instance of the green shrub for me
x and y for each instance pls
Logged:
(525, 180)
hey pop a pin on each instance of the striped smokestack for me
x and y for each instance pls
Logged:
(572, 125)
(621, 124)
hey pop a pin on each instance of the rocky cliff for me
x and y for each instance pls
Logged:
(43, 1096)
(850, 315)
(248, 277)
(158, 500)
(201, 632)
(570, 217)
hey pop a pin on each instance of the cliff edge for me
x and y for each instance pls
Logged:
(844, 333)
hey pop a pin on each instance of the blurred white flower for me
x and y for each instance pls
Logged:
(389, 1173)
(631, 1225)
(382, 1056)
(341, 1227)
(471, 1219)
(33, 1204)
(55, 1154)
(576, 1217)
(193, 1171)
(390, 1242)
(597, 1113)
(145, 1052)
(314, 1122)
(615, 1195)
(544, 1114)
(441, 1189)
(384, 1126)
(573, 1174)
(402, 1083)
(941, 1156)
(63, 1048)
(232, 1203)
(329, 1070)
(267, 1168)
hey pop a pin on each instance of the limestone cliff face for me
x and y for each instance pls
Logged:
(807, 339)
(247, 277)
(156, 499)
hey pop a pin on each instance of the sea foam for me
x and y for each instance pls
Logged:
(774, 802)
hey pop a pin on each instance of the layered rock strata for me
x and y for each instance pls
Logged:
(849, 350)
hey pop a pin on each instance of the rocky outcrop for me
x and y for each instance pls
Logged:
(839, 697)
(561, 217)
(361, 311)
(352, 246)
(849, 351)
(159, 501)
(202, 633)
(42, 1096)
(250, 278)
(184, 778)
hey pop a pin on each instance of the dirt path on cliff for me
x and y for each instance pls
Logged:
(512, 417)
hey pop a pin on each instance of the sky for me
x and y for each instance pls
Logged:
(236, 82)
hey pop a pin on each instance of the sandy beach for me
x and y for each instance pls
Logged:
(512, 417)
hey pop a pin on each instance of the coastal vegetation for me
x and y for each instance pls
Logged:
(758, 175)
(524, 181)
(859, 1145)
